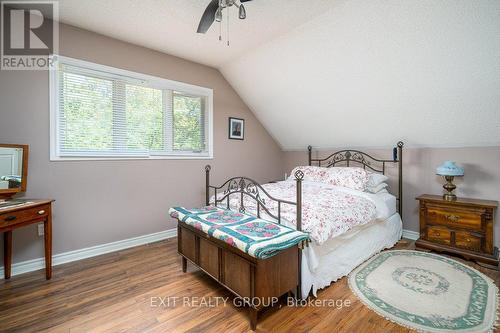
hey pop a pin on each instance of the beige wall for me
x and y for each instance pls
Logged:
(481, 180)
(104, 201)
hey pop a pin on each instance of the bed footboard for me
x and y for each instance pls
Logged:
(243, 186)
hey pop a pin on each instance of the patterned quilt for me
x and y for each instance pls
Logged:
(327, 211)
(257, 237)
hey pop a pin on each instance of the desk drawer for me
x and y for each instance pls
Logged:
(24, 215)
(454, 218)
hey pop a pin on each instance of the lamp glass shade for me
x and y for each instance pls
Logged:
(242, 12)
(449, 168)
(218, 15)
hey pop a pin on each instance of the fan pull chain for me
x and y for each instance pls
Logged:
(227, 10)
(220, 24)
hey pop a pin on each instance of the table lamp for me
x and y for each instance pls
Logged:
(449, 170)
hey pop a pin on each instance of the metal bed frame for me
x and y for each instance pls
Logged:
(244, 186)
(359, 158)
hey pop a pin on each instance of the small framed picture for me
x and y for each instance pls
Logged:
(236, 128)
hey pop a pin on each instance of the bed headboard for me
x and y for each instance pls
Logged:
(356, 158)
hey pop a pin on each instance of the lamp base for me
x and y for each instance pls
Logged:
(449, 197)
(449, 187)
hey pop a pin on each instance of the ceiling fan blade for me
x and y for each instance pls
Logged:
(208, 17)
(245, 0)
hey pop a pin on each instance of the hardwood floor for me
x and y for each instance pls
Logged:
(119, 292)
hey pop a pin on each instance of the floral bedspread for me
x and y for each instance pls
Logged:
(327, 211)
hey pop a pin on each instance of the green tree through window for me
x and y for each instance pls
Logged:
(88, 113)
(104, 112)
(188, 123)
(144, 118)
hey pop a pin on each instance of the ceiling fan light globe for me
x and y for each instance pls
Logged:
(218, 15)
(242, 12)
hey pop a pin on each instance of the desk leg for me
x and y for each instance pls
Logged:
(7, 253)
(48, 246)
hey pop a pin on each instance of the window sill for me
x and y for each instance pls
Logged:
(170, 157)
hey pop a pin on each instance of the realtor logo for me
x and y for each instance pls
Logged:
(30, 34)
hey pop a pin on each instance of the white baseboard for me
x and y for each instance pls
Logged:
(413, 235)
(62, 258)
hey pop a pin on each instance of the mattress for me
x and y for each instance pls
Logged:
(326, 263)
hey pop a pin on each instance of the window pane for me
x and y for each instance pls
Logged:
(87, 117)
(144, 114)
(188, 123)
(104, 112)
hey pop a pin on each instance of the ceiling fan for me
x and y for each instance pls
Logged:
(213, 12)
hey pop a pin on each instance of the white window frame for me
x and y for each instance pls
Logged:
(143, 79)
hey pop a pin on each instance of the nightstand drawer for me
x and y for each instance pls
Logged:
(25, 215)
(467, 241)
(454, 218)
(439, 235)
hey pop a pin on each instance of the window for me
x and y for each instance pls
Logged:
(100, 112)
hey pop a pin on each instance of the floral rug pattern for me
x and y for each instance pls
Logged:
(426, 292)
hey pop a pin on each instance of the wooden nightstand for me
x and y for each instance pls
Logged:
(463, 227)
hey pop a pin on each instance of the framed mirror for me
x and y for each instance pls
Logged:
(13, 169)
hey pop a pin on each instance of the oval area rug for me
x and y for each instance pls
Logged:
(426, 292)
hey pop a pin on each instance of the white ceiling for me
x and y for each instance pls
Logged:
(335, 73)
(372, 72)
(170, 25)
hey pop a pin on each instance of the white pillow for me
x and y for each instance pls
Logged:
(376, 189)
(376, 179)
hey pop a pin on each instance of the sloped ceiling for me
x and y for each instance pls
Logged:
(170, 25)
(368, 73)
(335, 73)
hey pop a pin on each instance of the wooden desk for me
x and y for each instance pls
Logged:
(11, 218)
